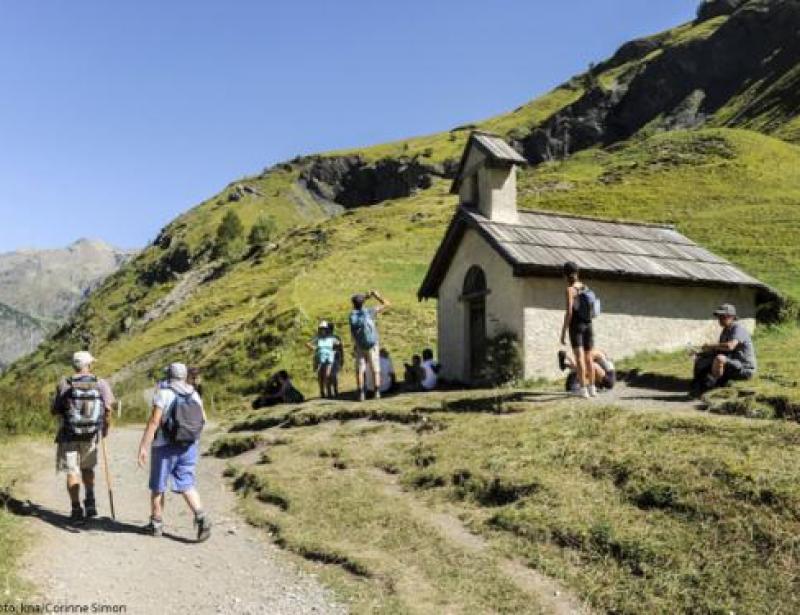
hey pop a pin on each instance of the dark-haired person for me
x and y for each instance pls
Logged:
(364, 331)
(581, 333)
(732, 358)
(280, 390)
(605, 374)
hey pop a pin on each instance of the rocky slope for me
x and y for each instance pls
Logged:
(39, 289)
(696, 126)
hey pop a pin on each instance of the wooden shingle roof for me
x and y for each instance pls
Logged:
(542, 242)
(496, 149)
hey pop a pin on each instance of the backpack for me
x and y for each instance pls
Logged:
(589, 306)
(363, 329)
(84, 408)
(185, 421)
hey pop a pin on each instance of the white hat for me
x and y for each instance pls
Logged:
(177, 371)
(82, 359)
(323, 324)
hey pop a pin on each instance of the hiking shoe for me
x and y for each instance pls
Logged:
(377, 394)
(91, 508)
(203, 528)
(76, 517)
(592, 391)
(154, 528)
(562, 360)
(361, 396)
(583, 393)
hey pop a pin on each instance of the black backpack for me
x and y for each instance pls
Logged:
(83, 407)
(185, 419)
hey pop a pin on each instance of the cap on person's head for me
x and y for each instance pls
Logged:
(726, 309)
(570, 268)
(177, 371)
(82, 359)
(323, 324)
(358, 299)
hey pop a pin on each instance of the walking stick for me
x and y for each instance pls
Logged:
(108, 478)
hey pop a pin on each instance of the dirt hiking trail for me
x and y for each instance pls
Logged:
(236, 571)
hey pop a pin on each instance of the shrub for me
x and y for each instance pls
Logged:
(262, 232)
(503, 359)
(230, 243)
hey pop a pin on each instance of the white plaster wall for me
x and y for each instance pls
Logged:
(636, 317)
(498, 193)
(504, 307)
(474, 159)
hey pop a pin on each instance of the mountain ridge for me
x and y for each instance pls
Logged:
(354, 218)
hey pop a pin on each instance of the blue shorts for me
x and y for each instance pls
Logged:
(175, 462)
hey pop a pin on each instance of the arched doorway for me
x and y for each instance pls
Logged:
(474, 298)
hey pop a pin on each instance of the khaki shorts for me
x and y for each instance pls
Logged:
(371, 357)
(76, 456)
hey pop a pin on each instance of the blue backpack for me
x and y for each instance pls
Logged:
(363, 330)
(589, 306)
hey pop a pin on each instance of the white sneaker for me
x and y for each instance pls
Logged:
(592, 391)
(583, 393)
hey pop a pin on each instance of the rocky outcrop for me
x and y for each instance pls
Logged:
(710, 9)
(682, 86)
(351, 182)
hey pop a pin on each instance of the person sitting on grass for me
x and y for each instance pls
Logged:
(605, 375)
(732, 358)
(430, 371)
(414, 374)
(279, 390)
(324, 347)
(388, 377)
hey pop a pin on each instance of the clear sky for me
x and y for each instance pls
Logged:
(116, 116)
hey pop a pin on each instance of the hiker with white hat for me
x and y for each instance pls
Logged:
(325, 346)
(83, 404)
(732, 358)
(171, 441)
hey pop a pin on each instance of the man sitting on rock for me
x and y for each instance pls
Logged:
(732, 358)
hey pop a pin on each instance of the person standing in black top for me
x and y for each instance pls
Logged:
(581, 334)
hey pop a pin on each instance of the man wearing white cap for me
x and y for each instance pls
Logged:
(83, 404)
(173, 459)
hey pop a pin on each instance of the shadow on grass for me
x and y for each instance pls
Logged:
(657, 382)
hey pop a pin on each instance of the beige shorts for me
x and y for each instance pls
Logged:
(75, 457)
(371, 357)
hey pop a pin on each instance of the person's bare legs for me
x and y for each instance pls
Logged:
(361, 372)
(718, 366)
(192, 498)
(74, 489)
(157, 505)
(580, 366)
(588, 368)
(327, 378)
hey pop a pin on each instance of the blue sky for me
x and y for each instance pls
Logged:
(117, 116)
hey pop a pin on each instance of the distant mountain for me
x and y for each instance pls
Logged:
(40, 289)
(697, 126)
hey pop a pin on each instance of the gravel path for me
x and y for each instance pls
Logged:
(108, 563)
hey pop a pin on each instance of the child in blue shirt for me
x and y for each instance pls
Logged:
(325, 346)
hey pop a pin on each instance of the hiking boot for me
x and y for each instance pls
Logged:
(91, 508)
(203, 524)
(155, 527)
(562, 360)
(76, 516)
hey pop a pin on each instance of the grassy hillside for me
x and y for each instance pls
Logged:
(431, 503)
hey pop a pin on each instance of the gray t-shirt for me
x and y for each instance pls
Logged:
(744, 351)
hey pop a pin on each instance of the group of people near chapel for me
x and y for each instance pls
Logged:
(731, 358)
(170, 441)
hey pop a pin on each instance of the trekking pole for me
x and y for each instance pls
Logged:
(108, 478)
